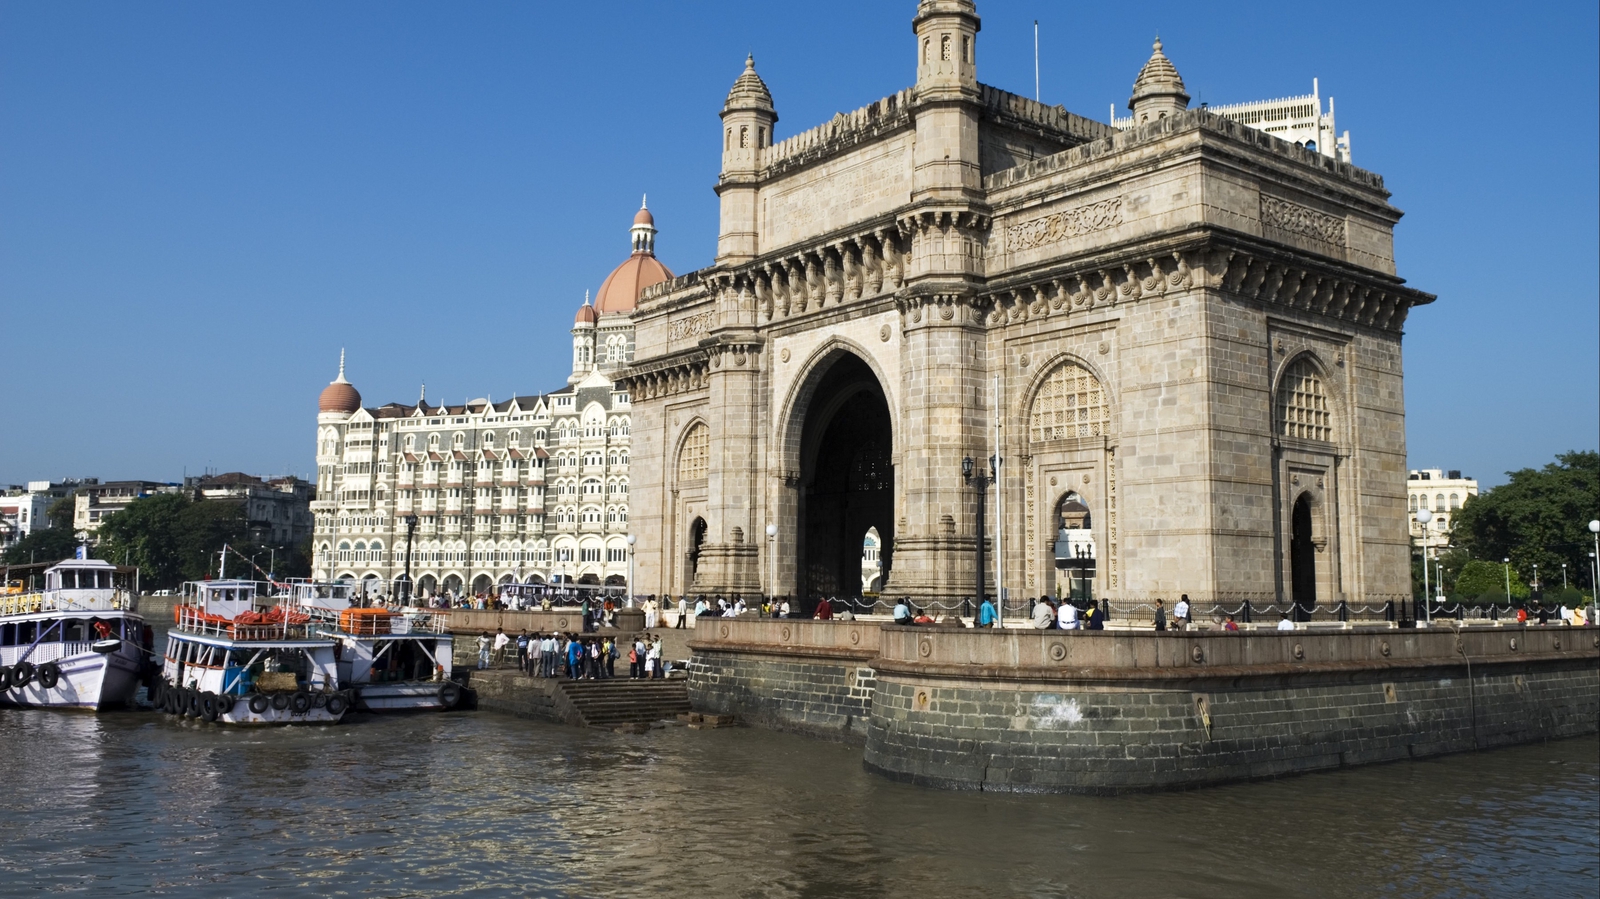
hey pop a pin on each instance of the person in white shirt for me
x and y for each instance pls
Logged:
(649, 613)
(1043, 615)
(783, 608)
(683, 611)
(1067, 616)
(1180, 613)
(1284, 624)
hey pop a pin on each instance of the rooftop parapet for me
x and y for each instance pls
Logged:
(1053, 120)
(1159, 130)
(844, 130)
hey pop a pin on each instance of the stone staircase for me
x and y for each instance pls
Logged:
(620, 702)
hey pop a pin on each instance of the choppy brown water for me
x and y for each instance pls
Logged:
(474, 804)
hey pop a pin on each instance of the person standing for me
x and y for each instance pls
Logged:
(824, 609)
(501, 641)
(653, 658)
(1161, 616)
(574, 659)
(522, 651)
(483, 651)
(986, 613)
(1180, 614)
(611, 657)
(683, 611)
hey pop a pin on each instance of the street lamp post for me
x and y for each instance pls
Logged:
(772, 565)
(980, 482)
(1507, 562)
(411, 530)
(1563, 577)
(1594, 582)
(1423, 517)
(632, 539)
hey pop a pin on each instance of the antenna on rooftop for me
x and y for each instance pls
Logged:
(1035, 60)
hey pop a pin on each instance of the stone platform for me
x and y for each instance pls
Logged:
(1105, 712)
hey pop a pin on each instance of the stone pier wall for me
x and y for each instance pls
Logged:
(1102, 712)
(814, 677)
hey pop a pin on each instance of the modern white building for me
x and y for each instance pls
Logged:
(22, 512)
(1297, 119)
(532, 489)
(1441, 492)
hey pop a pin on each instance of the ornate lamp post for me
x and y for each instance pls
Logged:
(1594, 582)
(1423, 517)
(1507, 562)
(632, 539)
(980, 482)
(411, 531)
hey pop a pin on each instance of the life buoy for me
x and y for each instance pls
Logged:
(336, 705)
(258, 703)
(301, 703)
(224, 704)
(49, 675)
(449, 694)
(21, 674)
(208, 705)
(280, 701)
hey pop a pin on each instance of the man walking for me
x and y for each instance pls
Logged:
(483, 651)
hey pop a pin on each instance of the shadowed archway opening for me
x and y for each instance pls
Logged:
(1302, 560)
(697, 538)
(846, 481)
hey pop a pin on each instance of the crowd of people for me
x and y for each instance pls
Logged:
(573, 656)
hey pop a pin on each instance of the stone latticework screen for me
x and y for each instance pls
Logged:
(1303, 404)
(694, 458)
(1070, 403)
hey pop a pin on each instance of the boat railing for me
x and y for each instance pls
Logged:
(195, 621)
(43, 651)
(58, 601)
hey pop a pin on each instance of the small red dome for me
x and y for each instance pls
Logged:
(340, 396)
(586, 315)
(643, 217)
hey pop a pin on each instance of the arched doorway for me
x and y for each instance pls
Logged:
(481, 584)
(1302, 560)
(846, 480)
(872, 563)
(697, 537)
(1074, 549)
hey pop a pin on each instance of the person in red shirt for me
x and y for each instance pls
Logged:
(824, 610)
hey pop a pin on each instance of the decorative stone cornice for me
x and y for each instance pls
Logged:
(1258, 274)
(668, 376)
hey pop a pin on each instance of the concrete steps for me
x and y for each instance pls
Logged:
(619, 702)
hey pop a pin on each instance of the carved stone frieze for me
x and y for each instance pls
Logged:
(1058, 226)
(690, 326)
(1303, 220)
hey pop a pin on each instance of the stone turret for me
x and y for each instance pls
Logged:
(1158, 91)
(747, 120)
(946, 101)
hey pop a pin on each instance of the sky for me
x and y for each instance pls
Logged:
(202, 203)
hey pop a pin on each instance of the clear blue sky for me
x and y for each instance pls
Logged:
(200, 203)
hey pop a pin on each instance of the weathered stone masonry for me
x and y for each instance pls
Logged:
(1052, 711)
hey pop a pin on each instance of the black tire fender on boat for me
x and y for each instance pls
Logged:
(191, 703)
(156, 694)
(450, 694)
(21, 675)
(225, 703)
(174, 700)
(318, 700)
(337, 705)
(280, 701)
(258, 703)
(208, 705)
(5, 678)
(49, 675)
(301, 703)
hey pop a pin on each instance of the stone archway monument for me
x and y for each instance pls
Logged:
(1192, 323)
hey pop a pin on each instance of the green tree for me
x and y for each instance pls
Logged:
(1486, 581)
(43, 545)
(1541, 516)
(172, 538)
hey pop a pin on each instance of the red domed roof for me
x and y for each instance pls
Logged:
(620, 291)
(586, 315)
(643, 217)
(340, 395)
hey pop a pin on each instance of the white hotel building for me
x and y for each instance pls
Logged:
(531, 489)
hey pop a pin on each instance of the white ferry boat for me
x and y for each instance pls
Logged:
(389, 659)
(78, 644)
(234, 658)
